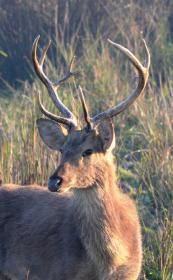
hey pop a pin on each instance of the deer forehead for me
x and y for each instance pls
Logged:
(81, 140)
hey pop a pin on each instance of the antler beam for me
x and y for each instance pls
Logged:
(142, 80)
(70, 119)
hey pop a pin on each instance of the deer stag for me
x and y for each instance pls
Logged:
(89, 229)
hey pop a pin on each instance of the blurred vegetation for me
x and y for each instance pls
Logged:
(70, 23)
(144, 132)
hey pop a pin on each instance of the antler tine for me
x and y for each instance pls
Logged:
(42, 59)
(85, 109)
(142, 80)
(51, 87)
(49, 114)
(68, 74)
(148, 60)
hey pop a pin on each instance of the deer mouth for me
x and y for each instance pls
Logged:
(54, 183)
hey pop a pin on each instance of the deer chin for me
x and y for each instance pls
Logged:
(67, 184)
(76, 182)
(64, 189)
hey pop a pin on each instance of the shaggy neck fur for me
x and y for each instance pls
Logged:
(96, 222)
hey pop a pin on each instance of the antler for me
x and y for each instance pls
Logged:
(85, 109)
(70, 119)
(143, 72)
(142, 80)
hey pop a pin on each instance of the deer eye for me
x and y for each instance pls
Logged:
(87, 153)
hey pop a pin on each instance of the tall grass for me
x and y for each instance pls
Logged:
(72, 22)
(144, 134)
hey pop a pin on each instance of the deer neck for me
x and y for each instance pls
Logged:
(92, 215)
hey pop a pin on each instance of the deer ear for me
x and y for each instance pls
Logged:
(107, 134)
(51, 133)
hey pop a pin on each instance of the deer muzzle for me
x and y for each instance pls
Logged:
(54, 183)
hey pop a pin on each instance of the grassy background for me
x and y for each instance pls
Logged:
(144, 133)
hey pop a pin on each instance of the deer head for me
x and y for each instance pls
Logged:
(83, 151)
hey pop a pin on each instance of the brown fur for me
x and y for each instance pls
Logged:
(88, 231)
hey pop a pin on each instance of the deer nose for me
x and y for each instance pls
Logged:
(54, 183)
